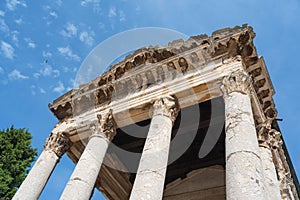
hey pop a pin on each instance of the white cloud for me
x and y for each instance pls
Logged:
(47, 71)
(122, 16)
(86, 2)
(36, 75)
(30, 43)
(87, 38)
(58, 2)
(67, 51)
(2, 13)
(7, 50)
(53, 14)
(70, 30)
(16, 75)
(3, 26)
(1, 70)
(19, 21)
(15, 38)
(112, 12)
(60, 88)
(42, 91)
(46, 7)
(47, 54)
(33, 89)
(12, 4)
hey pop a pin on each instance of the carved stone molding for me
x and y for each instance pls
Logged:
(238, 81)
(106, 126)
(165, 62)
(58, 143)
(268, 137)
(287, 186)
(167, 106)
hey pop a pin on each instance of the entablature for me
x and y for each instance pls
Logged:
(192, 70)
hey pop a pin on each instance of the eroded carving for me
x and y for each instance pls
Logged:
(150, 78)
(238, 81)
(105, 126)
(268, 137)
(58, 143)
(167, 106)
(183, 64)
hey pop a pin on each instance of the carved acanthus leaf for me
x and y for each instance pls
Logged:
(167, 106)
(268, 137)
(58, 143)
(238, 81)
(105, 126)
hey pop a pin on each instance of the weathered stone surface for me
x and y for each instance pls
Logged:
(267, 139)
(287, 187)
(38, 176)
(56, 145)
(192, 70)
(225, 43)
(106, 126)
(270, 177)
(238, 81)
(150, 178)
(244, 172)
(201, 184)
(82, 180)
(166, 106)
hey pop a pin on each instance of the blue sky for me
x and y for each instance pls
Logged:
(43, 43)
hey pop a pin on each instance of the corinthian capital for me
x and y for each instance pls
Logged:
(167, 106)
(58, 143)
(105, 126)
(238, 81)
(268, 137)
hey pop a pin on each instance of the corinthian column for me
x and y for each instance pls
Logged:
(150, 178)
(244, 174)
(31, 188)
(287, 188)
(82, 181)
(267, 139)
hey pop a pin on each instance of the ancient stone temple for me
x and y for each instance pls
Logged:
(194, 119)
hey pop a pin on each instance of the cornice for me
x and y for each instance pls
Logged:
(151, 72)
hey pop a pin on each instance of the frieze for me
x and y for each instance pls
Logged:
(148, 67)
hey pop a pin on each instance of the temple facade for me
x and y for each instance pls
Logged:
(191, 120)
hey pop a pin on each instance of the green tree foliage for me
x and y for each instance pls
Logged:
(16, 155)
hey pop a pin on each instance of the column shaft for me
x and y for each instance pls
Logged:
(38, 176)
(285, 180)
(31, 188)
(150, 178)
(82, 181)
(244, 174)
(267, 139)
(270, 176)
